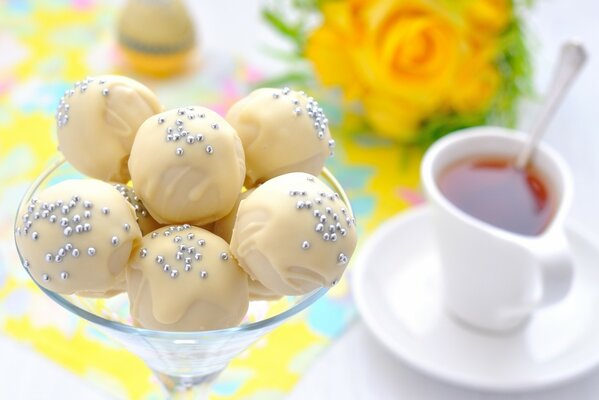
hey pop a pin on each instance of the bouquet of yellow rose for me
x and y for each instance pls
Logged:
(416, 69)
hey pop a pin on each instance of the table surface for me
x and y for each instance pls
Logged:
(357, 366)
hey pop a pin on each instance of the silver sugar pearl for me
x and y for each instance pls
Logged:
(198, 256)
(143, 252)
(64, 275)
(187, 267)
(214, 126)
(224, 256)
(75, 253)
(68, 231)
(79, 228)
(87, 204)
(160, 120)
(179, 151)
(87, 227)
(58, 259)
(174, 273)
(305, 245)
(203, 274)
(68, 247)
(114, 241)
(87, 214)
(46, 277)
(179, 255)
(105, 92)
(105, 210)
(201, 242)
(166, 268)
(64, 222)
(159, 259)
(91, 251)
(209, 149)
(49, 257)
(126, 227)
(35, 235)
(62, 252)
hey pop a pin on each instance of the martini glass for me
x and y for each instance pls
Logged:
(184, 362)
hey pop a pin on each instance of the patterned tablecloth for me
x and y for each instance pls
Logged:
(45, 47)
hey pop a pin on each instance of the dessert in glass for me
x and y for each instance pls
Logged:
(141, 262)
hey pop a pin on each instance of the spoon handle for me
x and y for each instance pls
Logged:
(572, 57)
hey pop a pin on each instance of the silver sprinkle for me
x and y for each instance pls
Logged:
(79, 228)
(160, 120)
(323, 218)
(52, 218)
(179, 255)
(199, 137)
(169, 137)
(159, 259)
(329, 210)
(333, 237)
(26, 264)
(343, 232)
(179, 151)
(318, 200)
(126, 227)
(62, 252)
(64, 222)
(143, 252)
(319, 228)
(87, 204)
(87, 214)
(35, 236)
(179, 122)
(174, 273)
(300, 204)
(114, 241)
(177, 239)
(209, 149)
(275, 95)
(331, 228)
(342, 259)
(76, 218)
(201, 242)
(308, 204)
(190, 236)
(198, 256)
(65, 210)
(214, 126)
(58, 259)
(317, 213)
(154, 234)
(91, 251)
(180, 111)
(297, 111)
(46, 277)
(64, 275)
(326, 236)
(187, 267)
(310, 179)
(293, 193)
(87, 227)
(331, 144)
(169, 130)
(190, 250)
(305, 245)
(45, 213)
(190, 139)
(202, 115)
(49, 257)
(68, 247)
(188, 260)
(68, 231)
(75, 253)
(105, 92)
(224, 256)
(203, 274)
(166, 268)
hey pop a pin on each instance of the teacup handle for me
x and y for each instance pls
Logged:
(556, 269)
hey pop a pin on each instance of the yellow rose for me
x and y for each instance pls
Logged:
(477, 78)
(403, 51)
(489, 16)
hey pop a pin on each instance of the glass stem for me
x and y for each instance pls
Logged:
(187, 387)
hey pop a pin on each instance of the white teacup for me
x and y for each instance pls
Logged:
(494, 279)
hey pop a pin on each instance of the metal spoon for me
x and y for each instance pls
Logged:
(572, 57)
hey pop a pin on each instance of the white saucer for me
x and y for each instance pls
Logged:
(397, 290)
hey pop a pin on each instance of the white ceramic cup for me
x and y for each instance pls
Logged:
(494, 279)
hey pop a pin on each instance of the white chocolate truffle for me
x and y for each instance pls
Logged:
(145, 221)
(187, 166)
(282, 131)
(97, 121)
(183, 278)
(76, 237)
(293, 234)
(224, 226)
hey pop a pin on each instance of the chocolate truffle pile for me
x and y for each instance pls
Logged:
(230, 208)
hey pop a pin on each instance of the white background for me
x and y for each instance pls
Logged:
(356, 366)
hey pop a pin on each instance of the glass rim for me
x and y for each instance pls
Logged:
(306, 301)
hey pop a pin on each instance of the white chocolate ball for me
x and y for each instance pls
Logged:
(293, 234)
(145, 221)
(187, 166)
(282, 131)
(76, 237)
(183, 278)
(97, 121)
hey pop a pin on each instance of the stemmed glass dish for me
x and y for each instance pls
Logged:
(184, 362)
